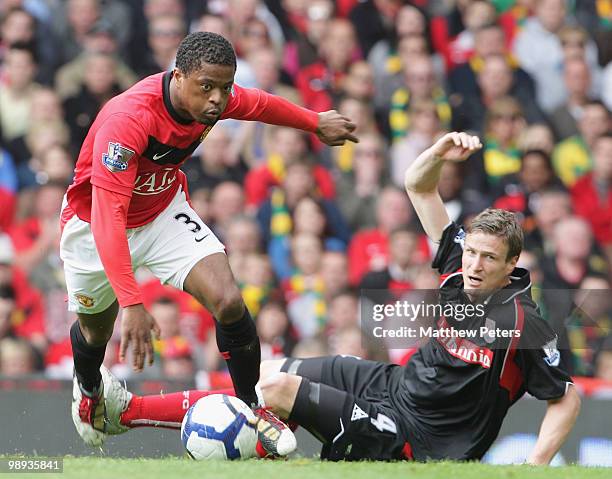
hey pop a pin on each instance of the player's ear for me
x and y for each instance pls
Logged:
(510, 265)
(178, 76)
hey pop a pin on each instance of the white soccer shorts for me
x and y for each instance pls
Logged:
(169, 246)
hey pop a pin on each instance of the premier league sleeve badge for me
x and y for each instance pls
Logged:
(117, 157)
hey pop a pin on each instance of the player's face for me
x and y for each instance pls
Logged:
(484, 265)
(204, 94)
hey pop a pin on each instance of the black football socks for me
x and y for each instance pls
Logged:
(239, 345)
(87, 360)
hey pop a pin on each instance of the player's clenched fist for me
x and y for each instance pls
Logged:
(136, 327)
(456, 146)
(334, 129)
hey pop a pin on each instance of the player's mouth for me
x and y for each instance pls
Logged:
(474, 281)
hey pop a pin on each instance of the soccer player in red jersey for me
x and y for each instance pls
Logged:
(129, 207)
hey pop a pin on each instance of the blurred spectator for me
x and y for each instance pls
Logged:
(99, 85)
(419, 84)
(257, 282)
(592, 194)
(305, 27)
(273, 328)
(577, 78)
(404, 259)
(572, 156)
(218, 163)
(551, 207)
(242, 239)
(274, 215)
(174, 350)
(165, 34)
(16, 358)
(100, 39)
(36, 239)
(334, 272)
(391, 78)
(359, 82)
(308, 217)
(504, 124)
(320, 83)
(18, 87)
(424, 127)
(227, 201)
(373, 20)
(343, 311)
(284, 147)
(358, 190)
(537, 136)
(41, 137)
(383, 57)
(518, 192)
(539, 51)
(45, 107)
(27, 319)
(489, 40)
(304, 289)
(369, 248)
(495, 81)
(18, 25)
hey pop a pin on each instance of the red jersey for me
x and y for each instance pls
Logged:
(128, 169)
(138, 142)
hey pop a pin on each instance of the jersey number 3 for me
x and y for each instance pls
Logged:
(194, 226)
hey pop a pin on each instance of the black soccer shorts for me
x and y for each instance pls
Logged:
(344, 402)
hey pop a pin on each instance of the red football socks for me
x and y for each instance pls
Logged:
(163, 410)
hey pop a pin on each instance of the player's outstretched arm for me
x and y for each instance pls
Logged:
(423, 175)
(558, 421)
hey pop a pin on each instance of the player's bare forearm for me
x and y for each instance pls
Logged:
(423, 175)
(558, 421)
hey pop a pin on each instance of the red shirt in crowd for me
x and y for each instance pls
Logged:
(128, 169)
(597, 211)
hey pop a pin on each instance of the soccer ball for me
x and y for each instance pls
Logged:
(219, 427)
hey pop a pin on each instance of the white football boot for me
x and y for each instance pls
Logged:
(89, 413)
(117, 399)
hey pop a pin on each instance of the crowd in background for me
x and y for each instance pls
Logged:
(307, 227)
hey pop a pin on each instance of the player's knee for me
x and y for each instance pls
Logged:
(96, 335)
(268, 367)
(279, 391)
(229, 307)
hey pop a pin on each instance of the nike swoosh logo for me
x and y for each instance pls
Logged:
(157, 156)
(202, 238)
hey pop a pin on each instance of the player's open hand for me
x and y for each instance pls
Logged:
(456, 146)
(334, 129)
(136, 327)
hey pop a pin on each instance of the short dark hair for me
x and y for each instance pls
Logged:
(204, 47)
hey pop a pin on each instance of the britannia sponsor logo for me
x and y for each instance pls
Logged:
(464, 349)
(551, 353)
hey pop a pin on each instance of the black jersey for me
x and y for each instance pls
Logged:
(455, 392)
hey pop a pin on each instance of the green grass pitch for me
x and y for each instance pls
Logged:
(184, 468)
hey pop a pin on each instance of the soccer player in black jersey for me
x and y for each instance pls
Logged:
(449, 401)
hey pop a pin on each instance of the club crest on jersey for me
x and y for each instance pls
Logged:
(460, 238)
(84, 300)
(117, 157)
(553, 357)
